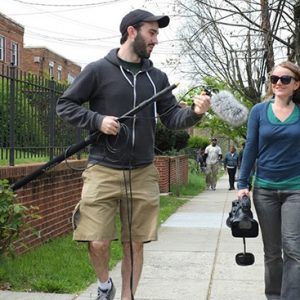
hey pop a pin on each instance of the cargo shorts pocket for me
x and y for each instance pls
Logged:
(76, 216)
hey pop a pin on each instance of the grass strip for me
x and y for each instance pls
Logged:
(62, 265)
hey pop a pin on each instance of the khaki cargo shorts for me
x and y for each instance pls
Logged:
(106, 192)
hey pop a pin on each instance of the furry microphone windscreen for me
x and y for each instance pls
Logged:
(226, 107)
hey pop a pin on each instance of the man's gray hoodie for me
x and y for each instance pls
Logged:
(112, 90)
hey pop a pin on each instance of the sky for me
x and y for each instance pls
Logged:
(85, 30)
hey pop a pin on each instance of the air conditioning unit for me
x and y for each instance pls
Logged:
(37, 59)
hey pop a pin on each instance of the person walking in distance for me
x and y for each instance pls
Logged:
(273, 145)
(200, 160)
(121, 176)
(213, 155)
(231, 161)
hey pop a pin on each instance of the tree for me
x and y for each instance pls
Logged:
(167, 140)
(297, 30)
(210, 119)
(236, 41)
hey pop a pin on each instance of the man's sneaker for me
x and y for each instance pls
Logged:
(107, 294)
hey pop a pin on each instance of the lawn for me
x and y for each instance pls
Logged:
(62, 265)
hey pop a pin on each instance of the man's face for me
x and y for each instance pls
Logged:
(214, 142)
(145, 39)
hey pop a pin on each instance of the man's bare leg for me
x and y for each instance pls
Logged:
(138, 259)
(99, 252)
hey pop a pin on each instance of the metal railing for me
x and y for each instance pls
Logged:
(29, 126)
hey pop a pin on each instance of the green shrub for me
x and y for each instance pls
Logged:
(181, 139)
(169, 141)
(12, 218)
(198, 142)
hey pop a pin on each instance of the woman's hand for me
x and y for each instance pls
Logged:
(243, 192)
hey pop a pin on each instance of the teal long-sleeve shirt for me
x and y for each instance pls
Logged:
(275, 146)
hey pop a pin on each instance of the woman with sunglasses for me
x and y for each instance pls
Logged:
(273, 142)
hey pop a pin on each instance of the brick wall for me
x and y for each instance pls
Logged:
(57, 191)
(172, 170)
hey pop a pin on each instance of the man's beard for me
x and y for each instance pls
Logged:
(139, 47)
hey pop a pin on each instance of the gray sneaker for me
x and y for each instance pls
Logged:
(108, 294)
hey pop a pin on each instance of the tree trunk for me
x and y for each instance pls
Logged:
(266, 29)
(297, 35)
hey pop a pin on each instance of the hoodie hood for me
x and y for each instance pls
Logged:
(113, 58)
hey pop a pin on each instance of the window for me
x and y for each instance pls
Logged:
(1, 47)
(14, 54)
(51, 69)
(70, 78)
(59, 73)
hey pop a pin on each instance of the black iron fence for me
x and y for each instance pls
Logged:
(29, 126)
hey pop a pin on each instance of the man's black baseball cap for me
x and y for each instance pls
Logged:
(138, 15)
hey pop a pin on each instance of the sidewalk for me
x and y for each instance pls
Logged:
(194, 258)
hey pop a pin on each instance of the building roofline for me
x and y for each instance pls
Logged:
(50, 50)
(12, 21)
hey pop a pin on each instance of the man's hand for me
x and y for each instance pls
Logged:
(110, 125)
(201, 103)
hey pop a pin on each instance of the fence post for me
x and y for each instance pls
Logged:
(52, 103)
(12, 90)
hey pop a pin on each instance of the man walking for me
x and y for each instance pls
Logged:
(213, 154)
(121, 176)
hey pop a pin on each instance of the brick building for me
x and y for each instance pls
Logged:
(37, 60)
(44, 62)
(11, 42)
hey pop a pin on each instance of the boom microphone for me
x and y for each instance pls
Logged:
(227, 108)
(87, 141)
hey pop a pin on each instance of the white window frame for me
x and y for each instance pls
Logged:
(51, 69)
(71, 78)
(14, 53)
(2, 49)
(59, 72)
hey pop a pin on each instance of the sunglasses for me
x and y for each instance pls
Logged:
(285, 79)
